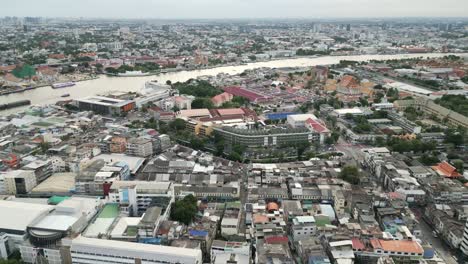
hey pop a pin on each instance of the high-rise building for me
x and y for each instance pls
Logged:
(464, 243)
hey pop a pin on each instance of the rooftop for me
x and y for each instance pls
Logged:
(134, 250)
(16, 216)
(57, 183)
(105, 101)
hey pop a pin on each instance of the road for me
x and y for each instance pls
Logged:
(354, 152)
(443, 251)
(243, 193)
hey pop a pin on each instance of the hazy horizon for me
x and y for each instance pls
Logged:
(236, 9)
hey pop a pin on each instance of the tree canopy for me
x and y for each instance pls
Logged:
(350, 174)
(198, 88)
(184, 210)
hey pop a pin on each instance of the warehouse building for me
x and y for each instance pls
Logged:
(105, 105)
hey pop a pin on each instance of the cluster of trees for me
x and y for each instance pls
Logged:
(457, 103)
(459, 165)
(306, 52)
(202, 102)
(455, 136)
(361, 124)
(236, 102)
(347, 63)
(333, 138)
(350, 174)
(465, 79)
(237, 152)
(428, 159)
(416, 145)
(412, 114)
(428, 83)
(202, 90)
(34, 59)
(332, 101)
(185, 210)
(143, 67)
(392, 94)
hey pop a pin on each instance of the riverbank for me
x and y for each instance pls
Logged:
(21, 90)
(104, 84)
(201, 68)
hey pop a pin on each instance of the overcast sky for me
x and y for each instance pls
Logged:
(234, 8)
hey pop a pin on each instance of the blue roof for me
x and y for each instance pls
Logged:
(276, 116)
(319, 260)
(200, 233)
(150, 240)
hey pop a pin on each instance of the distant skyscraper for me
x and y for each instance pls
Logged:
(348, 27)
(449, 27)
(317, 28)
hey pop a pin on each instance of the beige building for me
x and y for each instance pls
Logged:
(19, 181)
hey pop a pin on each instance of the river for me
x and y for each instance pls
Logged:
(104, 84)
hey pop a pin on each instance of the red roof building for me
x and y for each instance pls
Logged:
(220, 99)
(276, 240)
(230, 111)
(349, 81)
(357, 244)
(248, 94)
(446, 170)
(319, 128)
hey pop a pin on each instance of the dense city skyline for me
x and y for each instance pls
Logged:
(234, 131)
(211, 9)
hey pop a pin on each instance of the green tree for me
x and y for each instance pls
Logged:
(197, 143)
(458, 164)
(200, 103)
(177, 124)
(350, 174)
(185, 210)
(428, 160)
(44, 146)
(455, 137)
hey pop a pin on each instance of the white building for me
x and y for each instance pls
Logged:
(2, 184)
(69, 216)
(16, 216)
(98, 251)
(140, 147)
(6, 246)
(19, 181)
(303, 227)
(229, 226)
(343, 112)
(464, 243)
(223, 252)
(135, 197)
(299, 120)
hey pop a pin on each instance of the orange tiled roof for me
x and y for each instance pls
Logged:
(348, 81)
(408, 246)
(446, 170)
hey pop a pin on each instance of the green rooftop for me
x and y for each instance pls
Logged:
(54, 200)
(322, 220)
(109, 211)
(132, 231)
